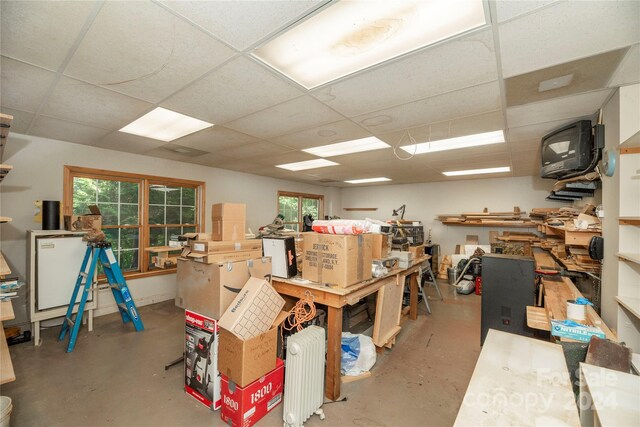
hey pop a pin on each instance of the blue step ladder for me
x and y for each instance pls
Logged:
(100, 251)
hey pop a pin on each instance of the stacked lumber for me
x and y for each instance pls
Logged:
(486, 218)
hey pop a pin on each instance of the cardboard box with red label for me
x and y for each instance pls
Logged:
(245, 406)
(202, 379)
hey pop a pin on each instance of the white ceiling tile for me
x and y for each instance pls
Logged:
(23, 86)
(344, 130)
(507, 9)
(242, 23)
(530, 156)
(567, 31)
(92, 105)
(283, 158)
(628, 71)
(63, 130)
(463, 161)
(236, 89)
(527, 145)
(255, 150)
(147, 58)
(215, 138)
(41, 32)
(166, 152)
(447, 129)
(456, 64)
(120, 141)
(292, 116)
(21, 119)
(465, 102)
(557, 109)
(538, 130)
(214, 159)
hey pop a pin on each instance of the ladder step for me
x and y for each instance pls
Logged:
(123, 306)
(83, 274)
(106, 265)
(70, 322)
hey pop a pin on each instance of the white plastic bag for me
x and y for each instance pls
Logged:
(358, 354)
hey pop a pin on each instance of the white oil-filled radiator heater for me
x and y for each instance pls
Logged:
(304, 376)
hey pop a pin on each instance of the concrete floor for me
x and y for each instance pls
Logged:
(116, 377)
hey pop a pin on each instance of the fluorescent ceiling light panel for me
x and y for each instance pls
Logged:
(555, 83)
(309, 164)
(476, 140)
(478, 171)
(366, 180)
(165, 125)
(349, 36)
(348, 147)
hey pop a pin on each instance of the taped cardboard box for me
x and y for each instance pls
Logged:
(210, 246)
(228, 229)
(244, 361)
(381, 245)
(236, 211)
(341, 260)
(210, 288)
(253, 310)
(245, 406)
(224, 256)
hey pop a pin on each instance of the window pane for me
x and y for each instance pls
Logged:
(156, 194)
(288, 206)
(112, 237)
(188, 230)
(84, 194)
(128, 215)
(128, 260)
(109, 213)
(311, 207)
(129, 238)
(173, 195)
(129, 192)
(188, 197)
(188, 215)
(156, 236)
(173, 232)
(156, 214)
(173, 215)
(293, 226)
(107, 191)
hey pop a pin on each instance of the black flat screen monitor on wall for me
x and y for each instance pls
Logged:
(567, 150)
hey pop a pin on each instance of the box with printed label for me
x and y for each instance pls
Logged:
(341, 260)
(210, 246)
(202, 379)
(245, 406)
(210, 288)
(253, 310)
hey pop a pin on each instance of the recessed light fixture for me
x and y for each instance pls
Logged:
(309, 164)
(366, 180)
(478, 171)
(476, 140)
(348, 147)
(555, 83)
(165, 125)
(349, 36)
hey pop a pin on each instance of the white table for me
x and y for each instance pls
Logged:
(608, 397)
(519, 381)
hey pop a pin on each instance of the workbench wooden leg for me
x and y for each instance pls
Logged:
(334, 340)
(413, 296)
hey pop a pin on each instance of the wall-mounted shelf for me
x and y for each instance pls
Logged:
(629, 220)
(496, 224)
(4, 171)
(631, 304)
(5, 219)
(631, 145)
(5, 125)
(629, 257)
(359, 209)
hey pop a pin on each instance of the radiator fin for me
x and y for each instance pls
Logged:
(304, 376)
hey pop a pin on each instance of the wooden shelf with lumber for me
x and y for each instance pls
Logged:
(514, 219)
(4, 171)
(631, 145)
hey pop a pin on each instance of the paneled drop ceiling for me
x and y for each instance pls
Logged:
(79, 71)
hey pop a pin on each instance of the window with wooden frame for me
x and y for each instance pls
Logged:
(294, 206)
(138, 211)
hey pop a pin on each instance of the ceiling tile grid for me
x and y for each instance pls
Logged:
(50, 127)
(331, 133)
(147, 58)
(23, 86)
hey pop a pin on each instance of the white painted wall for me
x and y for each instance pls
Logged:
(611, 206)
(426, 201)
(38, 175)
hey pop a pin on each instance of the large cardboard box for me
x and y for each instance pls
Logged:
(201, 376)
(237, 211)
(341, 260)
(209, 246)
(381, 245)
(228, 229)
(216, 258)
(209, 288)
(282, 250)
(245, 406)
(244, 361)
(253, 310)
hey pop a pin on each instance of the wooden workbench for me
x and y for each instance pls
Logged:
(6, 367)
(519, 381)
(336, 298)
